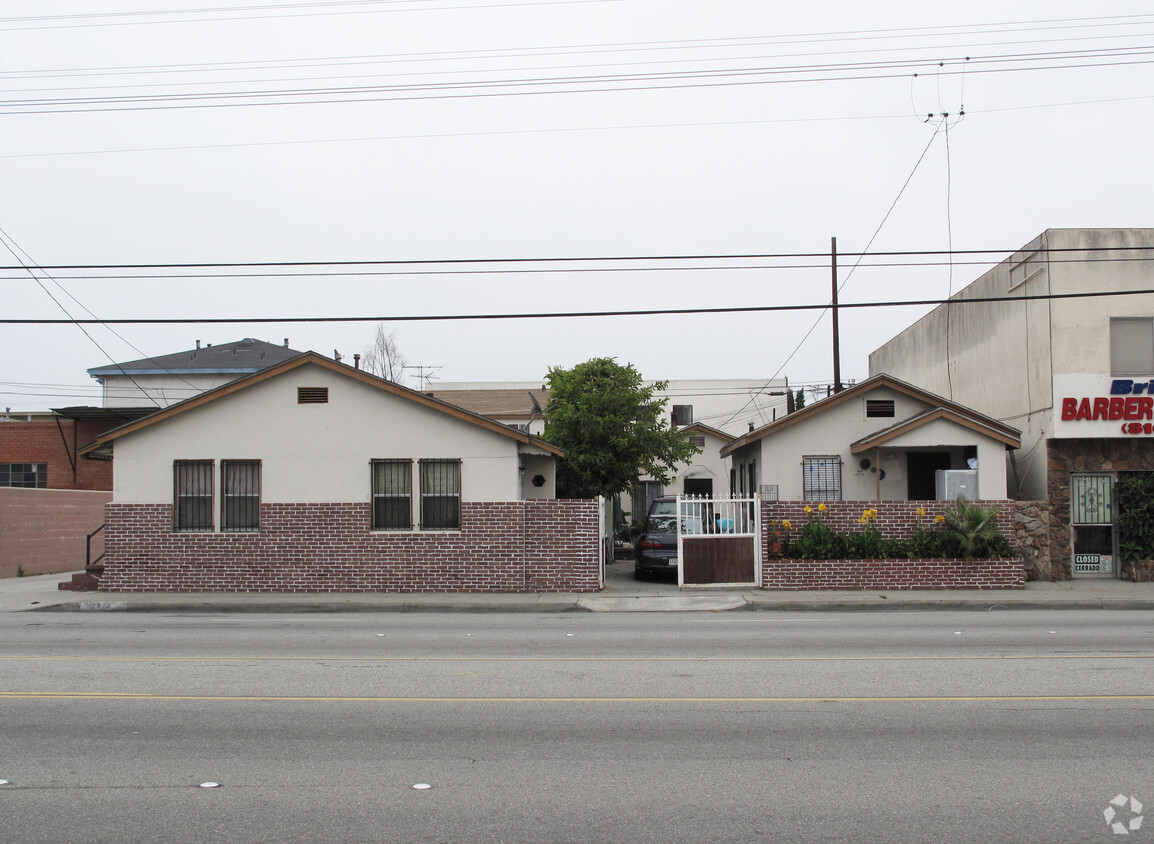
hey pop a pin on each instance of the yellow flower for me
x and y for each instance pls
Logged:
(785, 524)
(921, 512)
(808, 509)
(939, 519)
(821, 508)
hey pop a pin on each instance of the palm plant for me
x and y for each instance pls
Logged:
(974, 527)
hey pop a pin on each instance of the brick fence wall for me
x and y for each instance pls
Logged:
(520, 546)
(42, 531)
(895, 520)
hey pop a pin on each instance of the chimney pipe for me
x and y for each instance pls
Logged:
(357, 361)
(198, 344)
(286, 342)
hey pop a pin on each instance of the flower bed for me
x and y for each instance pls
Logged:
(889, 545)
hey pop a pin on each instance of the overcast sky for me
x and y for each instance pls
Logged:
(164, 131)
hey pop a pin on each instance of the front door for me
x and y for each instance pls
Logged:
(1092, 524)
(921, 480)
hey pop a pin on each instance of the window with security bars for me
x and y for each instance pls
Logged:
(822, 478)
(240, 495)
(441, 494)
(26, 475)
(192, 495)
(392, 494)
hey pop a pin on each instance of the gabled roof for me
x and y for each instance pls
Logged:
(706, 429)
(963, 415)
(312, 358)
(237, 358)
(914, 422)
(496, 404)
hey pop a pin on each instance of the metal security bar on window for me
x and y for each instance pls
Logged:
(392, 494)
(1090, 500)
(192, 491)
(26, 475)
(440, 494)
(240, 495)
(822, 478)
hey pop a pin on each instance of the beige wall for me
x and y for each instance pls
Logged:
(1004, 357)
(779, 455)
(158, 390)
(317, 452)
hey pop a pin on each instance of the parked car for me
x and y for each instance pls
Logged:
(656, 548)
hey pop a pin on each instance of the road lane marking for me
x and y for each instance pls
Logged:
(144, 696)
(569, 659)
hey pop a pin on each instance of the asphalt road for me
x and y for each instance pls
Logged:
(578, 727)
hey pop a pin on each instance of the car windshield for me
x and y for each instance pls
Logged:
(663, 508)
(661, 523)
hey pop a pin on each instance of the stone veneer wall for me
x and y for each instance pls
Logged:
(1066, 457)
(547, 545)
(1032, 538)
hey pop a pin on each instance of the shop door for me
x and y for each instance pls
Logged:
(1092, 523)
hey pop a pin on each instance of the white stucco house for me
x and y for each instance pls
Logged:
(879, 440)
(310, 475)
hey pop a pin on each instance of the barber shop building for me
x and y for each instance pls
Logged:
(1062, 349)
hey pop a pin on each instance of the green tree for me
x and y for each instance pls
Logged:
(790, 404)
(799, 401)
(612, 429)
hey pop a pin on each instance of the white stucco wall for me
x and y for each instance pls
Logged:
(160, 390)
(317, 452)
(832, 432)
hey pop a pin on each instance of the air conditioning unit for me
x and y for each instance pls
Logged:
(951, 483)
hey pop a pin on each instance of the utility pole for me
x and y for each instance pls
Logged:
(836, 337)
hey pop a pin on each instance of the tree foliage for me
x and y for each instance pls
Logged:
(384, 358)
(612, 429)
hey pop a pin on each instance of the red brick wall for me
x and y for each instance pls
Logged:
(519, 546)
(892, 574)
(40, 442)
(895, 520)
(42, 531)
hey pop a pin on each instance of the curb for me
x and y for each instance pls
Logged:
(637, 605)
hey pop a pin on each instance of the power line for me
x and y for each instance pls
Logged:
(575, 314)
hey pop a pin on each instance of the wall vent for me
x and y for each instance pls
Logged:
(312, 395)
(879, 408)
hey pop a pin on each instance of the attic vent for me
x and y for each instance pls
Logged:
(312, 395)
(879, 407)
(697, 441)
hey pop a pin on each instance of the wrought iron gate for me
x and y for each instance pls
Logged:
(718, 541)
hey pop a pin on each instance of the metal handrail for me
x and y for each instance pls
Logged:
(88, 561)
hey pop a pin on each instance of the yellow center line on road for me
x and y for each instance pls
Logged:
(30, 658)
(359, 699)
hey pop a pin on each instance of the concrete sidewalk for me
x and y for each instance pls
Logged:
(621, 594)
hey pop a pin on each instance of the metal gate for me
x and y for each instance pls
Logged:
(718, 541)
(1092, 524)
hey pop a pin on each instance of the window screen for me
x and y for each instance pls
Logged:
(1131, 346)
(192, 495)
(441, 494)
(822, 478)
(240, 495)
(682, 415)
(392, 494)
